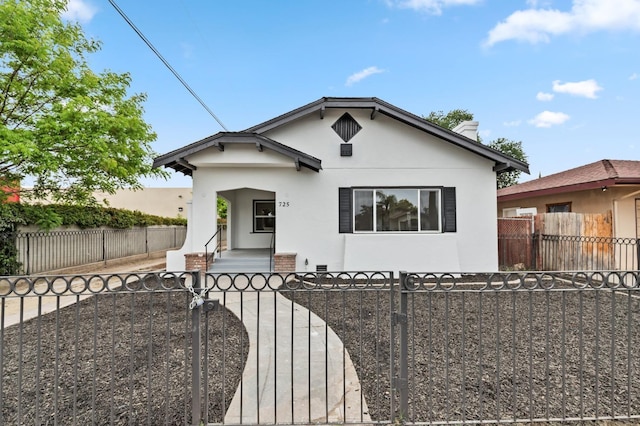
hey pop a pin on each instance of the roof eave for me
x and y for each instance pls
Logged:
(560, 189)
(177, 159)
(380, 106)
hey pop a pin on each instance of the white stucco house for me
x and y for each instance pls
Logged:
(348, 184)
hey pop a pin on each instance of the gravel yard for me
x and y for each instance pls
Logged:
(117, 357)
(494, 354)
(124, 357)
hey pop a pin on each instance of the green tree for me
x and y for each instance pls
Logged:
(451, 119)
(71, 130)
(222, 208)
(506, 146)
(515, 150)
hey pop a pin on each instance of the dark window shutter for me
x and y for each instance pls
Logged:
(345, 218)
(449, 209)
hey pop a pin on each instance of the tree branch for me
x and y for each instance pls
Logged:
(5, 92)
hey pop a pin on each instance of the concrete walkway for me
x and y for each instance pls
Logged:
(18, 309)
(297, 370)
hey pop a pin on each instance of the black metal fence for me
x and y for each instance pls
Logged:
(47, 251)
(344, 347)
(543, 252)
(570, 253)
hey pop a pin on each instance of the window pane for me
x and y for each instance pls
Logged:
(397, 210)
(265, 208)
(429, 210)
(265, 224)
(559, 208)
(363, 208)
(264, 216)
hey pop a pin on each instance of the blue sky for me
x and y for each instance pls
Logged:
(562, 76)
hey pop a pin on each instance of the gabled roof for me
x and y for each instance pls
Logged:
(503, 162)
(603, 173)
(175, 159)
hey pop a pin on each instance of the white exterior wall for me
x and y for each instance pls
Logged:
(385, 153)
(242, 217)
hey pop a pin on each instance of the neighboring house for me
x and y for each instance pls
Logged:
(11, 195)
(164, 202)
(606, 186)
(348, 184)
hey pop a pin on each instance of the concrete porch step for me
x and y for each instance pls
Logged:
(242, 261)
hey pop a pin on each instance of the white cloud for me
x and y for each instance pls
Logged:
(544, 97)
(633, 76)
(539, 25)
(514, 123)
(361, 75)
(430, 6)
(548, 119)
(484, 133)
(79, 10)
(586, 88)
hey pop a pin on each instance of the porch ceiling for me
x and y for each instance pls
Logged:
(177, 159)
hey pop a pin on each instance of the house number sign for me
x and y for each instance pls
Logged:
(283, 204)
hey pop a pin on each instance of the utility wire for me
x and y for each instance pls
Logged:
(166, 63)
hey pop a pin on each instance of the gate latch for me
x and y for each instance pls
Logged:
(211, 305)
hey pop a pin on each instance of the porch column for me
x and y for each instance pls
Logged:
(195, 262)
(205, 207)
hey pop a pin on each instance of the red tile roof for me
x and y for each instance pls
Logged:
(594, 175)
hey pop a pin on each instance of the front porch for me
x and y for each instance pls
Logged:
(243, 260)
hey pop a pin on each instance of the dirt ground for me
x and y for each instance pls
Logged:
(494, 355)
(120, 356)
(524, 355)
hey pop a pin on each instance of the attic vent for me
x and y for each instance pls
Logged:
(346, 127)
(321, 268)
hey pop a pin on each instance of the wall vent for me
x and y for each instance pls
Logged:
(346, 127)
(346, 150)
(321, 268)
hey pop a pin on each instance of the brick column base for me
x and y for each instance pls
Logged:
(195, 262)
(284, 262)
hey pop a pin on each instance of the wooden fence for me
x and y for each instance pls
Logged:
(515, 243)
(41, 251)
(564, 242)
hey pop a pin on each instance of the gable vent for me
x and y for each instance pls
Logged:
(346, 127)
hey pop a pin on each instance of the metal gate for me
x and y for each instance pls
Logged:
(519, 347)
(318, 348)
(310, 335)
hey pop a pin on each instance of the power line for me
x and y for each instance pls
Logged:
(165, 62)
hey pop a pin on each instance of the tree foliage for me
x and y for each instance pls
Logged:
(71, 130)
(504, 145)
(49, 216)
(515, 150)
(450, 119)
(222, 208)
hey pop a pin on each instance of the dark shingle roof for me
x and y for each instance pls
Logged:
(590, 176)
(503, 162)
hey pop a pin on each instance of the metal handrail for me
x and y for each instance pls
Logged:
(217, 249)
(272, 247)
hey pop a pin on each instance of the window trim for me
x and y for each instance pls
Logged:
(440, 201)
(256, 216)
